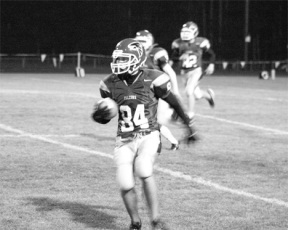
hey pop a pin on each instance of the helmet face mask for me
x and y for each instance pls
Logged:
(128, 57)
(146, 39)
(189, 31)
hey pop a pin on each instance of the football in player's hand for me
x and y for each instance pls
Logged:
(107, 107)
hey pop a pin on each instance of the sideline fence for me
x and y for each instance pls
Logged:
(101, 63)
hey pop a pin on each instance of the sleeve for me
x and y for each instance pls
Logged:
(208, 54)
(104, 90)
(175, 51)
(161, 58)
(161, 86)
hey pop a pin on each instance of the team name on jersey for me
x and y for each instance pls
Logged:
(130, 97)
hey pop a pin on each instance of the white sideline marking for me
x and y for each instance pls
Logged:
(176, 174)
(38, 137)
(200, 180)
(275, 131)
(42, 135)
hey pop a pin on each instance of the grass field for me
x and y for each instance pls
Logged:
(57, 172)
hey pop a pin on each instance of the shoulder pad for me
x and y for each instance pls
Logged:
(160, 52)
(106, 82)
(161, 79)
(204, 42)
(176, 43)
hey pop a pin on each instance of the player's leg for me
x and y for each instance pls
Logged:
(169, 136)
(208, 95)
(164, 115)
(192, 77)
(124, 156)
(131, 203)
(144, 163)
(211, 97)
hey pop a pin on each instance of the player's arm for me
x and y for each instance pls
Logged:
(173, 78)
(210, 54)
(162, 58)
(175, 55)
(161, 87)
(99, 114)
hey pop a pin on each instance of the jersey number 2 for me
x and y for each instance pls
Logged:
(190, 61)
(139, 118)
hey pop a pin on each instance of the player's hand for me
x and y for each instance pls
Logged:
(210, 69)
(99, 114)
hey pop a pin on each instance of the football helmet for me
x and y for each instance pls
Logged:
(146, 38)
(128, 56)
(189, 31)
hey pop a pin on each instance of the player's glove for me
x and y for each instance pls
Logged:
(99, 114)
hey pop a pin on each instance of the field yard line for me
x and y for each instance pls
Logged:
(169, 172)
(41, 138)
(276, 131)
(200, 180)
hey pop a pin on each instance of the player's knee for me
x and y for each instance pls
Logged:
(144, 167)
(125, 177)
(198, 94)
(189, 92)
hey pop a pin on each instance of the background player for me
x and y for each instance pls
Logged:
(136, 91)
(189, 50)
(157, 58)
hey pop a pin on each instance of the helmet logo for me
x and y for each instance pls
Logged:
(136, 47)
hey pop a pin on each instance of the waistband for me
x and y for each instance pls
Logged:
(139, 133)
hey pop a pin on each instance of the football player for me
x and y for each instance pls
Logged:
(136, 91)
(157, 58)
(189, 50)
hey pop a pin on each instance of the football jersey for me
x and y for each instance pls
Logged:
(156, 58)
(190, 52)
(137, 102)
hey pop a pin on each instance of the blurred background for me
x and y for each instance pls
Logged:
(250, 31)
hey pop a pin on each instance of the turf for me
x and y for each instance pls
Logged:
(57, 170)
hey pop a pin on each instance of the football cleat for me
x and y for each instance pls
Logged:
(135, 226)
(159, 225)
(212, 97)
(175, 146)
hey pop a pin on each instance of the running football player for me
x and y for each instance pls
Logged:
(157, 58)
(136, 91)
(189, 50)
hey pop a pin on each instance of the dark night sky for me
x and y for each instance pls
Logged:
(96, 26)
